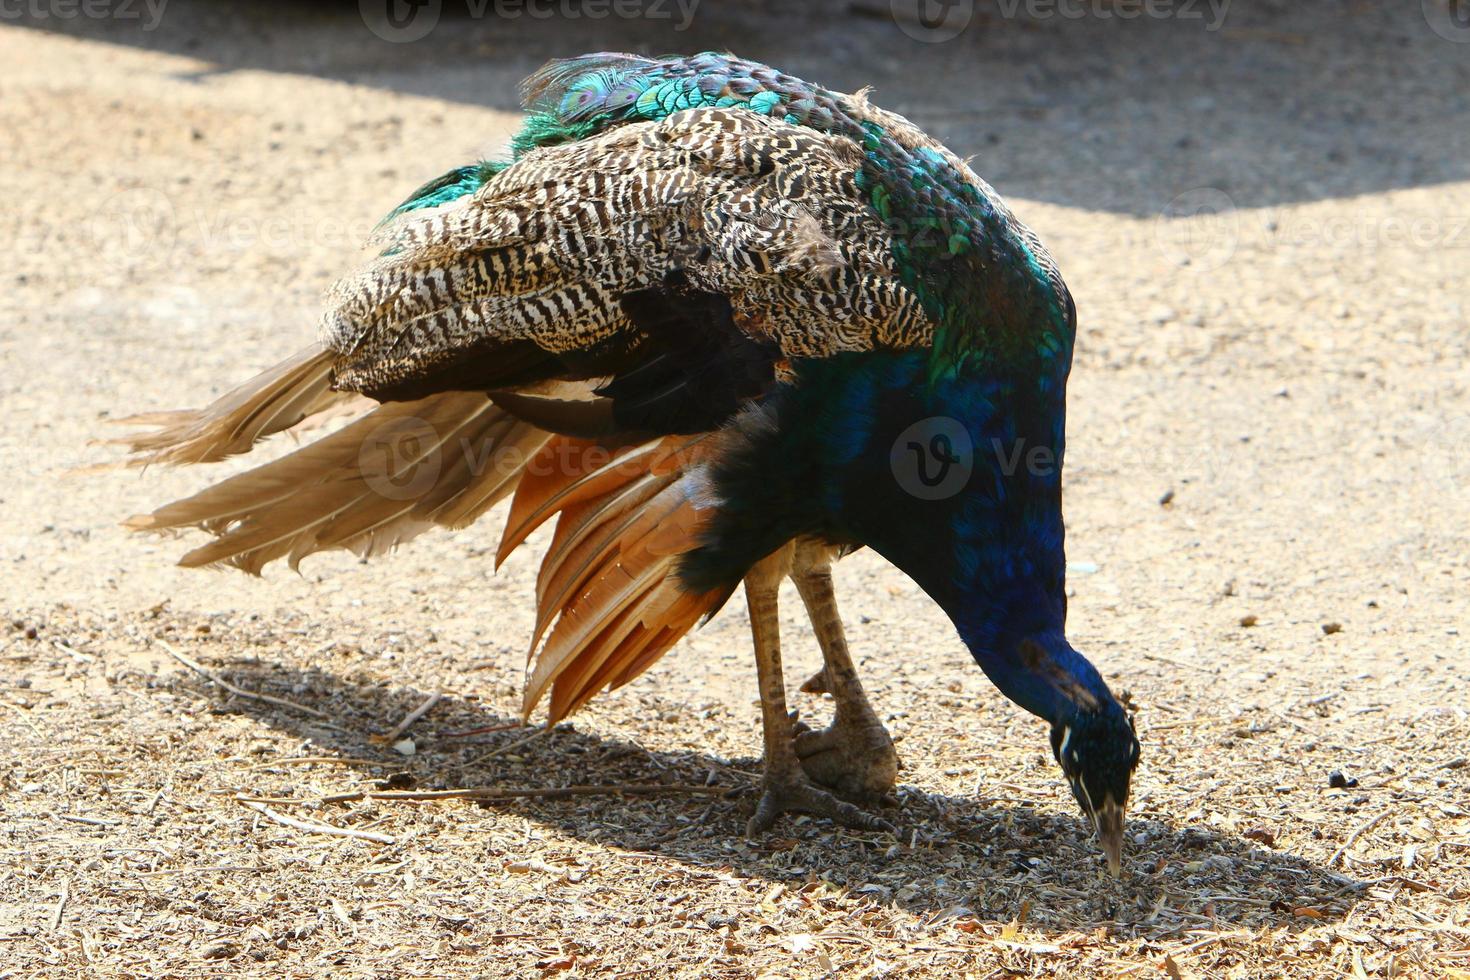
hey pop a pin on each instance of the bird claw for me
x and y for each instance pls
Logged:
(816, 684)
(857, 762)
(799, 795)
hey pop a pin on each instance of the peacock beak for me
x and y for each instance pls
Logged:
(1108, 819)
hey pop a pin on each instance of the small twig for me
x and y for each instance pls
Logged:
(90, 821)
(312, 827)
(501, 750)
(60, 909)
(228, 868)
(1178, 663)
(1294, 724)
(412, 717)
(520, 792)
(85, 658)
(306, 760)
(25, 715)
(1217, 938)
(1411, 884)
(1363, 828)
(239, 692)
(1190, 723)
(485, 730)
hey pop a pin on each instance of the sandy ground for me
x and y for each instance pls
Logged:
(1269, 457)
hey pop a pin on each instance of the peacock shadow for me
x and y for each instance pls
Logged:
(1073, 110)
(959, 856)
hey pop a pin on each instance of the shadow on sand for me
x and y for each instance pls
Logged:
(1094, 112)
(994, 860)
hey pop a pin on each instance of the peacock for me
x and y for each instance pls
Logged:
(723, 326)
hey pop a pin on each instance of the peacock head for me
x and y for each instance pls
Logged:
(1098, 751)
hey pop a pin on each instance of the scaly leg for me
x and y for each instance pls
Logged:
(786, 787)
(854, 756)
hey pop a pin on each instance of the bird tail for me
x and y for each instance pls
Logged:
(609, 602)
(608, 591)
(274, 400)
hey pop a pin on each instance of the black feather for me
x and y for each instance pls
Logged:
(705, 369)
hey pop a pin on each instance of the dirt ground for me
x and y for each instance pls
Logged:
(1267, 229)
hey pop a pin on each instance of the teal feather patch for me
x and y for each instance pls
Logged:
(448, 187)
(765, 103)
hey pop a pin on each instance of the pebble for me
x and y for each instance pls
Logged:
(219, 951)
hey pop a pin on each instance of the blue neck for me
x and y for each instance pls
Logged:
(992, 552)
(955, 479)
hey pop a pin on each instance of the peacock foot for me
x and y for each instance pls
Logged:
(796, 793)
(855, 760)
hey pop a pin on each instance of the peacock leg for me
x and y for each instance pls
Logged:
(786, 786)
(854, 756)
